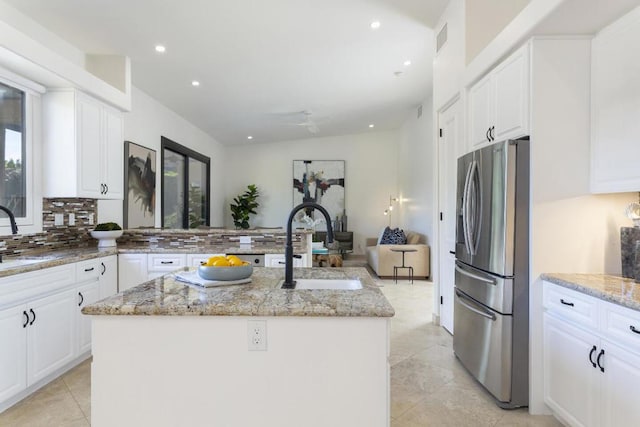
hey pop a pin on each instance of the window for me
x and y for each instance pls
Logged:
(20, 106)
(185, 186)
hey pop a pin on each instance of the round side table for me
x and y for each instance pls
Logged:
(398, 267)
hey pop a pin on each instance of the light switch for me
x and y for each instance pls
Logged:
(72, 219)
(58, 219)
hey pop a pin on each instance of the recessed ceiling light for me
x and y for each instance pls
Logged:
(195, 83)
(407, 63)
(371, 125)
(375, 25)
(160, 48)
(249, 137)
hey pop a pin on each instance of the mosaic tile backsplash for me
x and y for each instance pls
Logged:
(56, 237)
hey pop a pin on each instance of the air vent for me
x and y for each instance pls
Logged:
(419, 111)
(441, 38)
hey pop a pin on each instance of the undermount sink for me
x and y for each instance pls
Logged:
(334, 284)
(13, 263)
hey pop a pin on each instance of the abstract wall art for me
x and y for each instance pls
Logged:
(140, 186)
(322, 182)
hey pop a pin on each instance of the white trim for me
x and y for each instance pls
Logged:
(19, 82)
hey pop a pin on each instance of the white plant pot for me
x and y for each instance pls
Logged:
(106, 239)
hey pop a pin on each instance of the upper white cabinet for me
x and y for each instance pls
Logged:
(83, 147)
(615, 107)
(499, 102)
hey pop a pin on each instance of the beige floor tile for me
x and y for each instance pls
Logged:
(522, 418)
(78, 380)
(51, 406)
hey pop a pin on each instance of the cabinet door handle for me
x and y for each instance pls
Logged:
(101, 188)
(26, 322)
(106, 189)
(88, 269)
(34, 316)
(166, 262)
(81, 299)
(487, 134)
(634, 329)
(599, 357)
(570, 304)
(593, 350)
(491, 133)
(104, 268)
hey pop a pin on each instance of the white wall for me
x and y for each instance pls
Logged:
(449, 62)
(416, 176)
(371, 161)
(144, 125)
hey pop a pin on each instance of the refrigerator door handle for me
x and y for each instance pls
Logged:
(465, 210)
(474, 276)
(461, 300)
(475, 207)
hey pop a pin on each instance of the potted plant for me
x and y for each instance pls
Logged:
(106, 233)
(244, 205)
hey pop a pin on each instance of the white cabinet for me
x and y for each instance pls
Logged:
(194, 260)
(108, 276)
(160, 264)
(615, 107)
(499, 103)
(50, 334)
(591, 359)
(83, 145)
(278, 260)
(13, 361)
(132, 270)
(86, 294)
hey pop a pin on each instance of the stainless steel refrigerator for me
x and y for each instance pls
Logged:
(491, 309)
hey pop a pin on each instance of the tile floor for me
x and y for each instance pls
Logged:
(428, 386)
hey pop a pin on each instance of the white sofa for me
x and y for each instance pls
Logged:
(382, 259)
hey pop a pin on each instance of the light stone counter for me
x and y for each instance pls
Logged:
(615, 289)
(53, 259)
(166, 296)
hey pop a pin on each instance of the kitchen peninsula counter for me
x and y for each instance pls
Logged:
(167, 353)
(615, 289)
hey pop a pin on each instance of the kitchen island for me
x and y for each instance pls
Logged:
(169, 353)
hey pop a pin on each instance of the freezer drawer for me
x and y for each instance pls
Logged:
(493, 291)
(483, 343)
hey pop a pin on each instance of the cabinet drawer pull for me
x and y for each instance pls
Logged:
(81, 299)
(26, 322)
(634, 329)
(166, 262)
(34, 316)
(593, 350)
(570, 304)
(88, 269)
(281, 262)
(599, 357)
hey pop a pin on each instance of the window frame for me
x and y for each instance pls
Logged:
(32, 221)
(189, 154)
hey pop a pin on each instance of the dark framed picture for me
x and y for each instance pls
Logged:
(140, 186)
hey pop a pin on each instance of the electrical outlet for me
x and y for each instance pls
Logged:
(58, 219)
(257, 335)
(72, 219)
(90, 219)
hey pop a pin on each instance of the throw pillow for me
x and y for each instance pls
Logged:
(413, 238)
(393, 237)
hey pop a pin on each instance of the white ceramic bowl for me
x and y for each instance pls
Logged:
(106, 238)
(225, 273)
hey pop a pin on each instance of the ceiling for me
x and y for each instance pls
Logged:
(275, 70)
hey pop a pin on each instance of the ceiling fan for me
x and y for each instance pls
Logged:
(303, 118)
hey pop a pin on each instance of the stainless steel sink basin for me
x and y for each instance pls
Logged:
(334, 284)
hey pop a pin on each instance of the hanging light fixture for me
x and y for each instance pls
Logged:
(387, 211)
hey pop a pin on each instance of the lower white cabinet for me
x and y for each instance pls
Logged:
(591, 373)
(108, 276)
(160, 264)
(278, 260)
(42, 329)
(132, 270)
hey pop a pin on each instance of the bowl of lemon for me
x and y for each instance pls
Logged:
(228, 268)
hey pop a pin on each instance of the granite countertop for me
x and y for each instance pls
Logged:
(615, 289)
(40, 260)
(214, 230)
(261, 297)
(220, 249)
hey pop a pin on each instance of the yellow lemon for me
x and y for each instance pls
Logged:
(221, 262)
(234, 260)
(214, 258)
